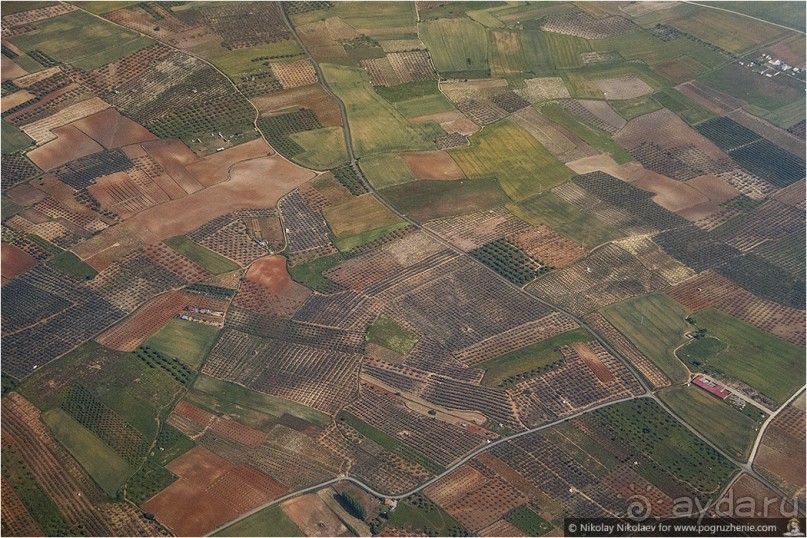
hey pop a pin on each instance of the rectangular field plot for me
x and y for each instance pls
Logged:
(456, 45)
(784, 364)
(375, 124)
(719, 421)
(77, 38)
(505, 150)
(656, 326)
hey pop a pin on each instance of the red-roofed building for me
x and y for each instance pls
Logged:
(712, 387)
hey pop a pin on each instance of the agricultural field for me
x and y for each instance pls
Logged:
(730, 428)
(656, 326)
(186, 340)
(507, 151)
(376, 126)
(783, 365)
(456, 46)
(267, 266)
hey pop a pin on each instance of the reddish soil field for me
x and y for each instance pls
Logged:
(435, 165)
(185, 506)
(313, 516)
(249, 187)
(228, 428)
(215, 168)
(26, 194)
(148, 319)
(17, 520)
(666, 130)
(455, 485)
(451, 122)
(548, 246)
(313, 97)
(173, 156)
(70, 144)
(14, 261)
(271, 273)
(592, 361)
(112, 130)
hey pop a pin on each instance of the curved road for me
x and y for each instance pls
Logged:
(741, 466)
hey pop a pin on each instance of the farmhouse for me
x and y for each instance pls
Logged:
(711, 387)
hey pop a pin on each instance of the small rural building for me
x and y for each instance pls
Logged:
(712, 387)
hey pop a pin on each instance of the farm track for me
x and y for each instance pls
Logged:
(746, 467)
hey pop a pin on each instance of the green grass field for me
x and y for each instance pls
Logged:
(375, 125)
(421, 106)
(238, 61)
(148, 481)
(385, 170)
(102, 463)
(13, 139)
(633, 108)
(427, 517)
(208, 259)
(507, 55)
(427, 200)
(385, 332)
(774, 367)
(549, 209)
(344, 224)
(232, 396)
(101, 7)
(733, 33)
(715, 419)
(344, 245)
(81, 39)
(188, 341)
(655, 324)
(505, 150)
(592, 136)
(527, 359)
(69, 263)
(566, 49)
(763, 92)
(687, 109)
(324, 148)
(309, 274)
(653, 51)
(125, 384)
(384, 18)
(791, 14)
(270, 521)
(456, 44)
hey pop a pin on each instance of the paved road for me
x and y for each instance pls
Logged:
(648, 392)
